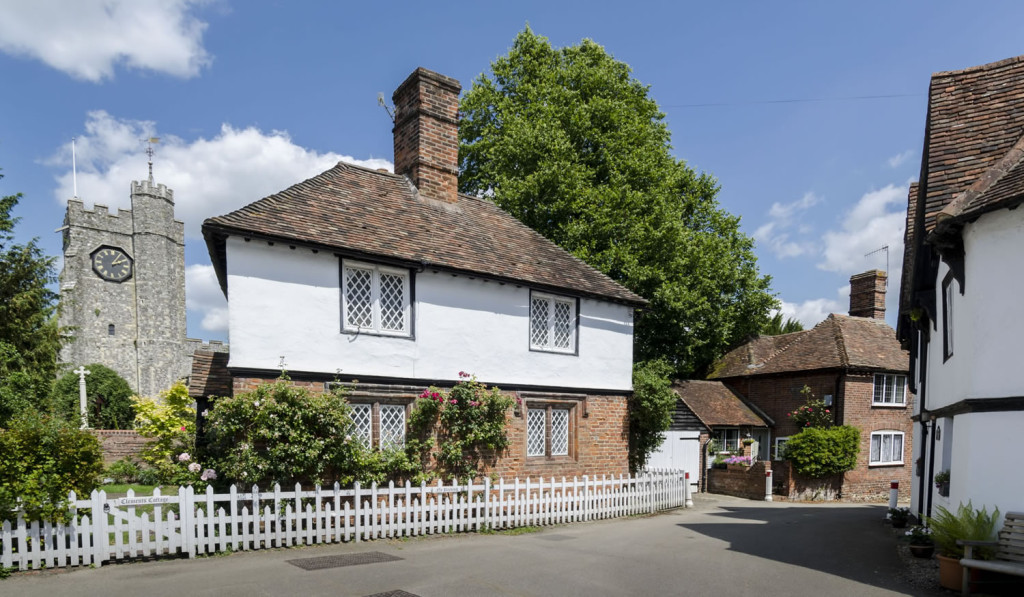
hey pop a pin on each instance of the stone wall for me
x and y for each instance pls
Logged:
(120, 443)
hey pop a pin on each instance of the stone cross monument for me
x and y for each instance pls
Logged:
(82, 409)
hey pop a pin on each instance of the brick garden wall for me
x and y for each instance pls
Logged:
(120, 443)
(598, 433)
(745, 482)
(790, 485)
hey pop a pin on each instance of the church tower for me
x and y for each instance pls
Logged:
(123, 288)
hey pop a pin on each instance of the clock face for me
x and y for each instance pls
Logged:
(112, 264)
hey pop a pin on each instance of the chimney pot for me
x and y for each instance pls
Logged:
(867, 294)
(427, 133)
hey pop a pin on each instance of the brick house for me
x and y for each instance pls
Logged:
(399, 281)
(855, 363)
(961, 290)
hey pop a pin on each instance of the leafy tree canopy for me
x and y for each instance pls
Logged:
(108, 398)
(566, 140)
(776, 326)
(29, 338)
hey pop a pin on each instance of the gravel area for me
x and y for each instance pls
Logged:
(920, 573)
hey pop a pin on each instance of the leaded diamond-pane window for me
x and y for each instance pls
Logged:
(358, 298)
(376, 299)
(552, 323)
(559, 432)
(392, 426)
(535, 431)
(362, 422)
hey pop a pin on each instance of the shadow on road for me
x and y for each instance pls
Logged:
(853, 542)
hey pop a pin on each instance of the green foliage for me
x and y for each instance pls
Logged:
(568, 142)
(108, 398)
(776, 327)
(812, 413)
(650, 410)
(170, 423)
(124, 470)
(29, 337)
(460, 428)
(821, 452)
(967, 524)
(42, 458)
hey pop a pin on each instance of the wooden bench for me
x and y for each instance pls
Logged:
(1009, 558)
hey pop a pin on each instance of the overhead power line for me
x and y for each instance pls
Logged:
(804, 100)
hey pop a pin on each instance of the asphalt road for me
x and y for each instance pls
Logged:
(722, 547)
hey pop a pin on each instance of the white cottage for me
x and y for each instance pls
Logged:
(399, 281)
(961, 292)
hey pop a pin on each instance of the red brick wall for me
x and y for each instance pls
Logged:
(872, 482)
(745, 482)
(777, 396)
(787, 483)
(598, 442)
(120, 443)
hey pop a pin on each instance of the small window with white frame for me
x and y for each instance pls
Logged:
(552, 323)
(547, 431)
(780, 447)
(886, 448)
(728, 439)
(375, 299)
(890, 390)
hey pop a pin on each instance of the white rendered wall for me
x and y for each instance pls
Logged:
(987, 319)
(985, 467)
(287, 302)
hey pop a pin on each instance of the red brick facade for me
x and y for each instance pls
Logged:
(598, 429)
(741, 481)
(120, 443)
(427, 133)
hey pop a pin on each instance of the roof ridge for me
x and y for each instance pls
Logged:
(778, 350)
(984, 182)
(840, 338)
(979, 67)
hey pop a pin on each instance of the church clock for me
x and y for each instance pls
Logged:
(112, 264)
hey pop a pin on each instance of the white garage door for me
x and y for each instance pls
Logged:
(680, 451)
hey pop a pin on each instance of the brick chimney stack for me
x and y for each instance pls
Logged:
(867, 294)
(427, 133)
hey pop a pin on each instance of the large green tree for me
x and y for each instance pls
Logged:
(29, 337)
(566, 140)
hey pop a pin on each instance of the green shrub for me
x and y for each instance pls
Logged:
(818, 452)
(459, 428)
(171, 425)
(108, 398)
(967, 524)
(124, 471)
(42, 458)
(650, 410)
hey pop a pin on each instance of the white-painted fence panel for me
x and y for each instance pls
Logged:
(158, 525)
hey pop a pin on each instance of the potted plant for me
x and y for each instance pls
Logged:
(967, 524)
(899, 517)
(921, 544)
(942, 483)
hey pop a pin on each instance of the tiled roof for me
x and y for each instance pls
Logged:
(716, 405)
(210, 376)
(371, 213)
(909, 248)
(975, 117)
(838, 342)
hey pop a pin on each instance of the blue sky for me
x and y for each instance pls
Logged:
(251, 97)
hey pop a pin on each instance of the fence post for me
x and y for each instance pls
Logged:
(358, 501)
(487, 503)
(185, 520)
(99, 527)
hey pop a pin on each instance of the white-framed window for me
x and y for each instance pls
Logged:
(728, 439)
(890, 390)
(378, 425)
(552, 323)
(547, 431)
(947, 316)
(886, 448)
(780, 448)
(375, 299)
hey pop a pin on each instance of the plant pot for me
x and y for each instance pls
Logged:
(899, 523)
(922, 551)
(943, 488)
(951, 574)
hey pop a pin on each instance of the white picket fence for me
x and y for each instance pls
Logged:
(196, 524)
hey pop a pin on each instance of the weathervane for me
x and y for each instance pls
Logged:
(149, 152)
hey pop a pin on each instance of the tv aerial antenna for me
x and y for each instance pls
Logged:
(879, 250)
(74, 168)
(383, 104)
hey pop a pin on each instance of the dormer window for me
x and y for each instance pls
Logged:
(552, 323)
(375, 299)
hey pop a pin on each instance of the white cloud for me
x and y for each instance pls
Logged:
(775, 234)
(813, 311)
(209, 176)
(901, 158)
(203, 296)
(87, 39)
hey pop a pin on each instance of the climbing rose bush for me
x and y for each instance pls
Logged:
(813, 413)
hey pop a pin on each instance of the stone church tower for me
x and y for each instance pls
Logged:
(123, 289)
